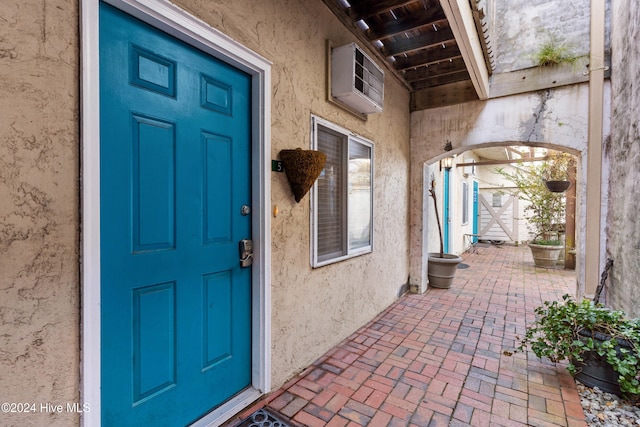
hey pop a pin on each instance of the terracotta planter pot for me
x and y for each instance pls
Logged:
(441, 271)
(545, 255)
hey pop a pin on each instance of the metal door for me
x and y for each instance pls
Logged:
(175, 193)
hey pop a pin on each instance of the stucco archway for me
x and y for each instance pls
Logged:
(554, 118)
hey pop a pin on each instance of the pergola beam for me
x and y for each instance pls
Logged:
(462, 23)
(502, 162)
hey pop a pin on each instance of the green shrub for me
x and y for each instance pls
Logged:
(566, 330)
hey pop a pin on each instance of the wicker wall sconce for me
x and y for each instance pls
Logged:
(302, 168)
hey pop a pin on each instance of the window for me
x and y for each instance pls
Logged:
(342, 206)
(465, 203)
(497, 200)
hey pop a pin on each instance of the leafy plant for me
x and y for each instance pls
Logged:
(558, 166)
(569, 329)
(553, 52)
(546, 210)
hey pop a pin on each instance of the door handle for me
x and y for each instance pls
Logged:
(246, 252)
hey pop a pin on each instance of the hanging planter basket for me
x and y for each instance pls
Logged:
(302, 168)
(557, 186)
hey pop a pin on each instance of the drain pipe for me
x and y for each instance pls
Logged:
(594, 148)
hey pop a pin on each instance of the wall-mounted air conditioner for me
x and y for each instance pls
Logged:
(356, 80)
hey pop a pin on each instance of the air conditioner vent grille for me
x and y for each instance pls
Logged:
(356, 80)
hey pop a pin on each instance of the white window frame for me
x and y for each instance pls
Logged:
(465, 203)
(347, 251)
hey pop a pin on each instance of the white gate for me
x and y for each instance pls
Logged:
(499, 217)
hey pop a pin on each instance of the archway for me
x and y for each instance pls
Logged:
(555, 119)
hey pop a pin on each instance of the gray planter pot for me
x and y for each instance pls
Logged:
(441, 271)
(545, 255)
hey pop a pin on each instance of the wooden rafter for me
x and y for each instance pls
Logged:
(403, 25)
(427, 57)
(502, 162)
(423, 41)
(443, 68)
(369, 9)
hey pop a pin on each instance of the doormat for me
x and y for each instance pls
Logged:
(263, 418)
(463, 265)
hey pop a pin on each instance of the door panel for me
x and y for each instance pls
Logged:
(175, 173)
(218, 322)
(217, 189)
(153, 184)
(154, 337)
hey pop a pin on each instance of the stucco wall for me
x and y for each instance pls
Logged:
(314, 309)
(623, 228)
(39, 215)
(39, 184)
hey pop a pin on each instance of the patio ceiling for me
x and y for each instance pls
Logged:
(431, 46)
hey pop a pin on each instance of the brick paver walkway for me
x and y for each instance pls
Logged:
(444, 358)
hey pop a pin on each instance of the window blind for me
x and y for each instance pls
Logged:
(330, 198)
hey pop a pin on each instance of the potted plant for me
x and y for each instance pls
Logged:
(557, 171)
(441, 267)
(545, 212)
(601, 346)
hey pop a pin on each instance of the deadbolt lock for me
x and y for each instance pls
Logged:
(246, 253)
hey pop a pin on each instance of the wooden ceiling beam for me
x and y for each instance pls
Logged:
(430, 57)
(502, 162)
(441, 80)
(403, 25)
(441, 96)
(416, 43)
(443, 68)
(369, 9)
(525, 154)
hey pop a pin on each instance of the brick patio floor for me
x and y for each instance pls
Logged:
(444, 358)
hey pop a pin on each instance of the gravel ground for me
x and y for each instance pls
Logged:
(604, 409)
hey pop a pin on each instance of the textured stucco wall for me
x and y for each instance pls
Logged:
(623, 227)
(315, 309)
(555, 118)
(39, 219)
(39, 185)
(39, 305)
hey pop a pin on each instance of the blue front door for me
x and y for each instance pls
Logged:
(175, 195)
(475, 211)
